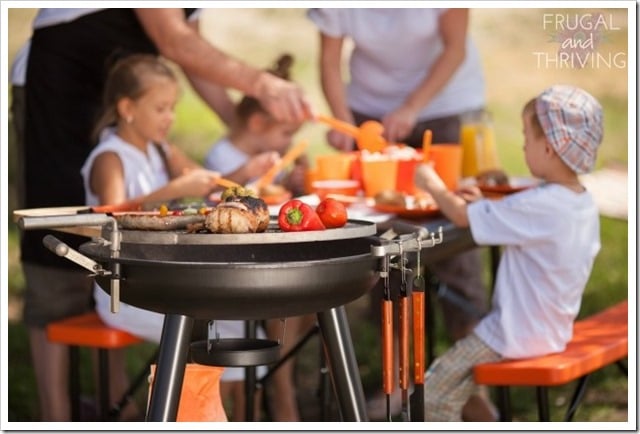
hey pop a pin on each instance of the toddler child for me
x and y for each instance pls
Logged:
(550, 236)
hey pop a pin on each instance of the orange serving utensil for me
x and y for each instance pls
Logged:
(426, 145)
(288, 158)
(227, 183)
(368, 136)
(338, 125)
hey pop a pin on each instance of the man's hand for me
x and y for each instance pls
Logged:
(284, 100)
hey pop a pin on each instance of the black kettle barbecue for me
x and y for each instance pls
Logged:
(237, 276)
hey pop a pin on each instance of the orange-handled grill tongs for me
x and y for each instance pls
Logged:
(387, 336)
(418, 310)
(403, 350)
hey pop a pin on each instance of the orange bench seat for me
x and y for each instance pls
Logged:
(88, 330)
(598, 341)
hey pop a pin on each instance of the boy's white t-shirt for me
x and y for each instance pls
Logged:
(551, 236)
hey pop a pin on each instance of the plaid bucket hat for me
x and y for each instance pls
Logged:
(572, 122)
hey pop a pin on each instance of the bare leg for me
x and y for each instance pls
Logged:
(119, 382)
(51, 366)
(233, 397)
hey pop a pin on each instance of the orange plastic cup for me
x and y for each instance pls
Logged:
(334, 166)
(406, 172)
(379, 175)
(447, 162)
(310, 176)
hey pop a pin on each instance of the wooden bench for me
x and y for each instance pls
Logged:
(598, 341)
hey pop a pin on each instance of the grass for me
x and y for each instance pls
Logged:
(505, 38)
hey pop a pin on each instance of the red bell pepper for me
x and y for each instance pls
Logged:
(296, 216)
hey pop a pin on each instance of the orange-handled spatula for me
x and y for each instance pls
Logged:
(368, 136)
(426, 145)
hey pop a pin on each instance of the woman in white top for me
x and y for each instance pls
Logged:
(407, 66)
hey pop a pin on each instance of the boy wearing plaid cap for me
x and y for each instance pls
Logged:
(550, 235)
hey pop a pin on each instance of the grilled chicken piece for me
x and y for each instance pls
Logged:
(256, 206)
(238, 215)
(231, 218)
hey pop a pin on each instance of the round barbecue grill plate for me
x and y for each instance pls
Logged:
(273, 235)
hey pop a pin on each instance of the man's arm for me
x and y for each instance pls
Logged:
(181, 43)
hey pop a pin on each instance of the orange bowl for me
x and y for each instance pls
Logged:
(340, 187)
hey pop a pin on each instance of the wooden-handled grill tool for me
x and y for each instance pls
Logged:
(403, 341)
(398, 246)
(387, 337)
(418, 311)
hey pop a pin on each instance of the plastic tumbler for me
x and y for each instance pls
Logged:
(447, 162)
(378, 175)
(334, 166)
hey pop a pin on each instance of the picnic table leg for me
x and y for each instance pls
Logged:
(576, 398)
(622, 367)
(504, 403)
(543, 403)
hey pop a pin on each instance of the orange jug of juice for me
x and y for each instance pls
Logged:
(478, 142)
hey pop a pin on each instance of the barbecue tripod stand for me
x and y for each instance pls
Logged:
(253, 384)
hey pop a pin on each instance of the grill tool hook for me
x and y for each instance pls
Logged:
(61, 249)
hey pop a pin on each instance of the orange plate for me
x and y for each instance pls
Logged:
(515, 185)
(409, 213)
(276, 199)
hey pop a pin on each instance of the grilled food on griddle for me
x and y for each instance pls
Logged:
(239, 212)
